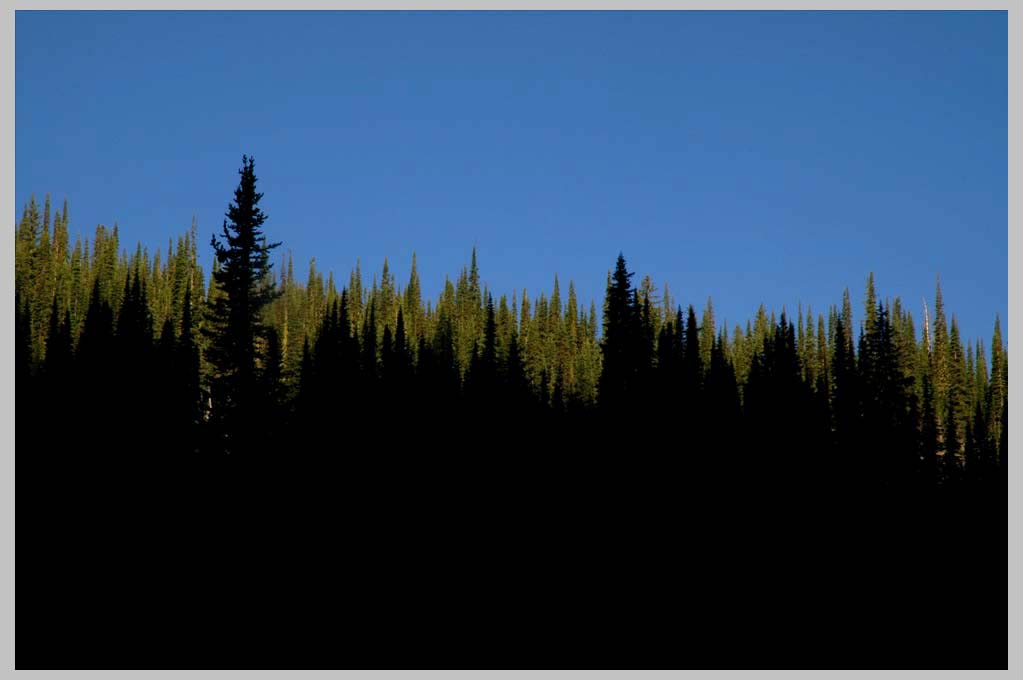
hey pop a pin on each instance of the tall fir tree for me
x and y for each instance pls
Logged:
(621, 340)
(235, 324)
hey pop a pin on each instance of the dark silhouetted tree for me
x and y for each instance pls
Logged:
(235, 321)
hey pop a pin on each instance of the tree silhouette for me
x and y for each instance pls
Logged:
(621, 341)
(235, 322)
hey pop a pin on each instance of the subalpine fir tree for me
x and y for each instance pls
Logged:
(57, 379)
(692, 361)
(928, 449)
(1003, 442)
(958, 386)
(25, 247)
(940, 360)
(368, 346)
(845, 395)
(646, 347)
(621, 340)
(707, 332)
(188, 364)
(58, 349)
(306, 397)
(22, 346)
(413, 307)
(722, 394)
(399, 371)
(996, 397)
(847, 320)
(950, 461)
(272, 394)
(973, 447)
(235, 325)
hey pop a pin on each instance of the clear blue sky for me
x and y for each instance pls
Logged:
(755, 157)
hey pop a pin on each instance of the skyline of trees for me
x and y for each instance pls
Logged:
(922, 391)
(191, 447)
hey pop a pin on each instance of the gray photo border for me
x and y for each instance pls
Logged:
(7, 201)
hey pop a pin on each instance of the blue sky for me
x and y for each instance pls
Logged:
(771, 157)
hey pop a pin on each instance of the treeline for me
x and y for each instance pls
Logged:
(186, 442)
(92, 318)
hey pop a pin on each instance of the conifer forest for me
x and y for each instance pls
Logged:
(241, 455)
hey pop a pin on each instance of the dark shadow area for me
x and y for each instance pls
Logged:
(241, 476)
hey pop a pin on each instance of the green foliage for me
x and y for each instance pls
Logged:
(893, 405)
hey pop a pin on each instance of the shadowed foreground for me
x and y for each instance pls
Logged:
(298, 478)
(508, 556)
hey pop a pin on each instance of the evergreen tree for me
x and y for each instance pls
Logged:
(368, 345)
(1003, 442)
(940, 361)
(977, 462)
(58, 350)
(950, 460)
(898, 408)
(845, 397)
(847, 320)
(401, 364)
(707, 332)
(272, 395)
(928, 449)
(188, 364)
(235, 323)
(413, 306)
(692, 359)
(997, 393)
(958, 387)
(621, 340)
(25, 247)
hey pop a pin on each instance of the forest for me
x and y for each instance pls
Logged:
(151, 338)
(152, 396)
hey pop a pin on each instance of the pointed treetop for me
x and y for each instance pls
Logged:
(871, 305)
